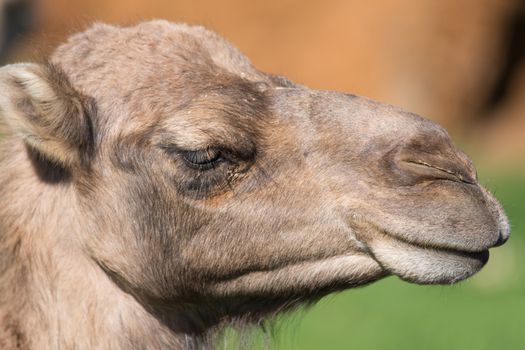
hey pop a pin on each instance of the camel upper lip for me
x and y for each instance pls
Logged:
(450, 248)
(437, 247)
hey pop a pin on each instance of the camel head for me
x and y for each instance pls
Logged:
(204, 182)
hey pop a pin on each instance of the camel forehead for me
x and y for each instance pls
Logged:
(155, 69)
(110, 59)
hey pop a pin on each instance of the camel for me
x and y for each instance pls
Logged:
(157, 188)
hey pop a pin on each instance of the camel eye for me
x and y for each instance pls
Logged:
(202, 159)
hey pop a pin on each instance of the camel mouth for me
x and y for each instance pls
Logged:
(422, 264)
(436, 249)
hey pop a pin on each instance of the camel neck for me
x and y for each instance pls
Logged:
(52, 294)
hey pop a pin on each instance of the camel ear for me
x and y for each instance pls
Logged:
(39, 104)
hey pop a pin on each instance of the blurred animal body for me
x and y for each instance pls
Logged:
(156, 187)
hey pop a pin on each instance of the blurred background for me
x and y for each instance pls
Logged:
(458, 62)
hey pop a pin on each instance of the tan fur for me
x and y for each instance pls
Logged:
(156, 187)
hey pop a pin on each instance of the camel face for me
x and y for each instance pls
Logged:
(203, 179)
(407, 194)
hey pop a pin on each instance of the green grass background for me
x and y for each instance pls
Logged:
(484, 312)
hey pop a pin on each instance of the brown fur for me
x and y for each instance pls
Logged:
(156, 187)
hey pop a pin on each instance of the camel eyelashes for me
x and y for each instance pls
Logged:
(205, 159)
(201, 159)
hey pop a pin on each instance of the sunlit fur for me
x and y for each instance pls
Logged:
(110, 239)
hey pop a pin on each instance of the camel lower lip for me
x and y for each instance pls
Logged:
(482, 256)
(425, 265)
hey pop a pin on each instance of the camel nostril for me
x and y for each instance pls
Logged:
(437, 169)
(501, 239)
(433, 156)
